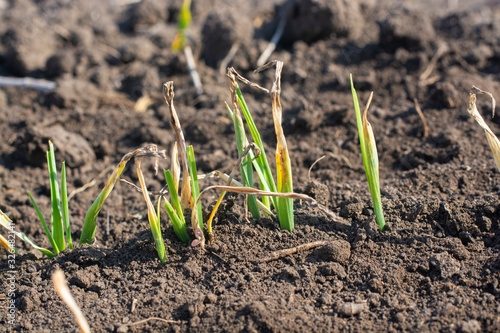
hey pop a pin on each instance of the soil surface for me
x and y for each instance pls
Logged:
(436, 268)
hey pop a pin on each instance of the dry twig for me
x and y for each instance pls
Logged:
(422, 118)
(167, 321)
(286, 252)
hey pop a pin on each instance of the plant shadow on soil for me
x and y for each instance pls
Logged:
(437, 268)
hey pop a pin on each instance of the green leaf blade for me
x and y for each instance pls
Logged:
(175, 211)
(194, 185)
(64, 205)
(44, 225)
(55, 198)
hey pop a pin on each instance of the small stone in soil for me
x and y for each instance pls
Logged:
(444, 264)
(338, 251)
(351, 309)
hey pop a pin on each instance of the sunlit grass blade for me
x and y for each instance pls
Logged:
(64, 206)
(168, 94)
(246, 167)
(193, 176)
(55, 198)
(6, 222)
(174, 210)
(490, 136)
(370, 157)
(44, 225)
(153, 217)
(89, 226)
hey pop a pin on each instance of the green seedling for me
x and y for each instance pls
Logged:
(60, 216)
(153, 216)
(179, 44)
(370, 157)
(246, 168)
(183, 23)
(90, 225)
(260, 163)
(490, 136)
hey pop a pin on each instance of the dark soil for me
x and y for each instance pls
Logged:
(436, 268)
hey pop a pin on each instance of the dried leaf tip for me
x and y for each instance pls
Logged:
(472, 99)
(365, 112)
(168, 92)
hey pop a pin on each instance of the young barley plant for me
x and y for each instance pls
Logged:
(370, 157)
(60, 216)
(282, 204)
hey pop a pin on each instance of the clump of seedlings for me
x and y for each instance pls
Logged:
(370, 156)
(282, 204)
(185, 192)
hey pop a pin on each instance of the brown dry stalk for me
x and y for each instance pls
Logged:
(286, 252)
(282, 156)
(61, 287)
(231, 71)
(422, 118)
(292, 195)
(168, 93)
(251, 191)
(312, 166)
(167, 321)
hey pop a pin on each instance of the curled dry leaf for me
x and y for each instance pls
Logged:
(492, 138)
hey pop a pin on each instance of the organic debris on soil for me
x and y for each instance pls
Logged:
(436, 268)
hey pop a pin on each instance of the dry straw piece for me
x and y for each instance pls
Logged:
(61, 287)
(472, 109)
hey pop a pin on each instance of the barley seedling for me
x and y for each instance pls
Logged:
(370, 157)
(60, 216)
